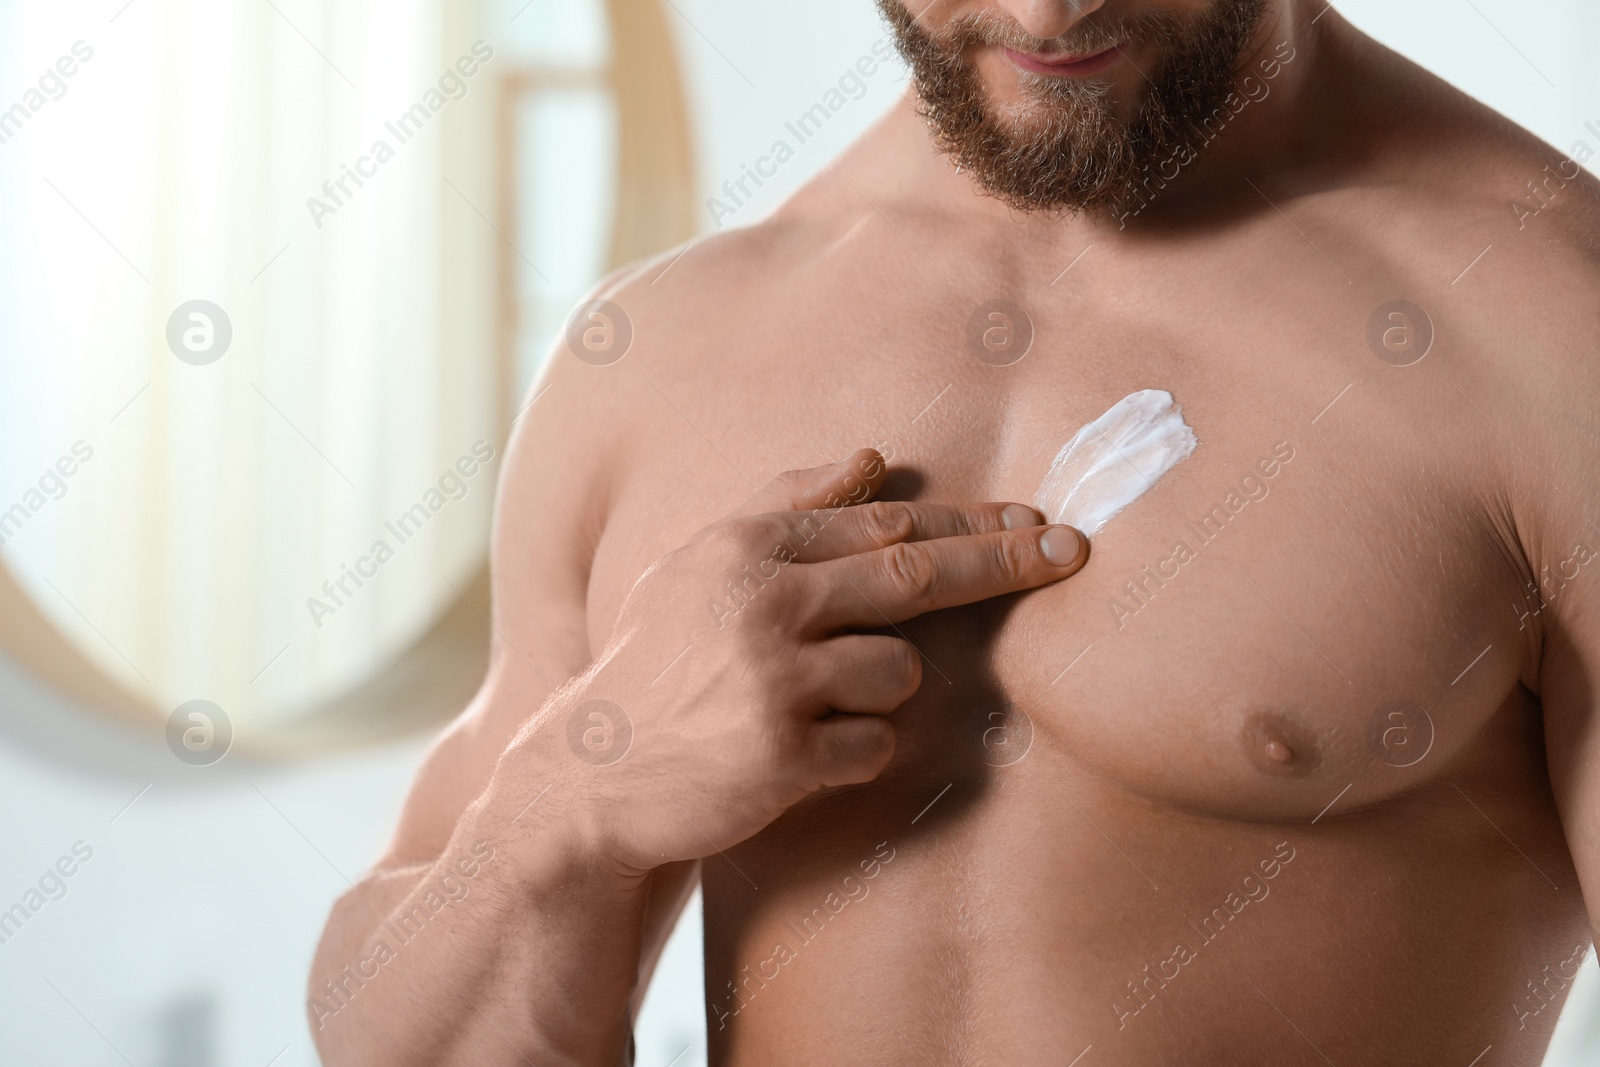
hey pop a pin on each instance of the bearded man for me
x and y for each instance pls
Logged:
(1300, 767)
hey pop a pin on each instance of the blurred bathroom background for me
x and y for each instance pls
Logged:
(359, 226)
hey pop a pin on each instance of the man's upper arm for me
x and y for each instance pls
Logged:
(1545, 386)
(1563, 558)
(1569, 677)
(548, 516)
(550, 510)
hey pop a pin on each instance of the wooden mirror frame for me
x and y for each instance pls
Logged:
(433, 678)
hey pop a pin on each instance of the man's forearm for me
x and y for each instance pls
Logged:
(519, 944)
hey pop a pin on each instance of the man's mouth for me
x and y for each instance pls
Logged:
(1064, 65)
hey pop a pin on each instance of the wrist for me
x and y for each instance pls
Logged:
(546, 839)
(555, 805)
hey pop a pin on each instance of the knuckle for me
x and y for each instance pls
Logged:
(781, 491)
(886, 522)
(964, 522)
(739, 538)
(910, 570)
(766, 532)
(785, 482)
(1013, 559)
(774, 751)
(796, 603)
(723, 540)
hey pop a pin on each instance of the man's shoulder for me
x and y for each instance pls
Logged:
(689, 320)
(1495, 233)
(1456, 171)
(685, 280)
(681, 298)
(1489, 228)
(1525, 217)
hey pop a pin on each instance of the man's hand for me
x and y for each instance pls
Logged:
(738, 678)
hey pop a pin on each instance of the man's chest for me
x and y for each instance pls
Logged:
(1316, 598)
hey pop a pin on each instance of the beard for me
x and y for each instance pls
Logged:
(1067, 150)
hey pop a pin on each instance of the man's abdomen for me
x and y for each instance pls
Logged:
(1036, 913)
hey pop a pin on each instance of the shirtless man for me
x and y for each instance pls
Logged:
(1299, 767)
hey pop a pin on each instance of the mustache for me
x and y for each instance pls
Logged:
(1092, 36)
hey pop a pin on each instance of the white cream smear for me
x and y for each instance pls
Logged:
(1112, 461)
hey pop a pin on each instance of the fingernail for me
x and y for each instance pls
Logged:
(1018, 516)
(1061, 545)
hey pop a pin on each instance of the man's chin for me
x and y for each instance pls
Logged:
(1055, 204)
(1045, 156)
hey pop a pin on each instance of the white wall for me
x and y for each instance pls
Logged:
(184, 941)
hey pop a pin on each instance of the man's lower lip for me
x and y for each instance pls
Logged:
(1077, 68)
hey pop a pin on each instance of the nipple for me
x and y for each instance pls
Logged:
(1278, 745)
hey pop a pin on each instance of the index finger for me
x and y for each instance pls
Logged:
(912, 578)
(822, 534)
(852, 480)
